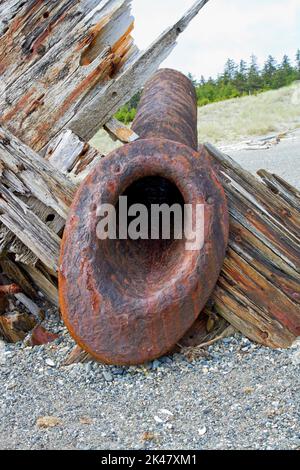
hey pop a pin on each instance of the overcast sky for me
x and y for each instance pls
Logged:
(224, 28)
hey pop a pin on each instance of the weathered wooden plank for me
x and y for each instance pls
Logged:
(46, 286)
(100, 105)
(69, 154)
(258, 289)
(26, 173)
(247, 283)
(249, 321)
(119, 131)
(30, 29)
(72, 65)
(29, 229)
(263, 227)
(13, 271)
(14, 326)
(264, 260)
(277, 210)
(281, 188)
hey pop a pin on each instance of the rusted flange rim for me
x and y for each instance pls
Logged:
(117, 305)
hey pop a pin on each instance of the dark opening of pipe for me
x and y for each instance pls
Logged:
(148, 260)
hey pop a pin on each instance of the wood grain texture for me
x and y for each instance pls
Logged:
(77, 48)
(100, 106)
(78, 65)
(14, 326)
(73, 64)
(281, 188)
(258, 291)
(36, 235)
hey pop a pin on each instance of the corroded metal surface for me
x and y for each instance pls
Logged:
(126, 301)
(168, 109)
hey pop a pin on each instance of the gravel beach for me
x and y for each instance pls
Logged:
(242, 396)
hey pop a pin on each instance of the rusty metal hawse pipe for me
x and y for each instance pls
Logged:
(130, 301)
(168, 109)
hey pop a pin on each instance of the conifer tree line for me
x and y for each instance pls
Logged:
(236, 80)
(247, 79)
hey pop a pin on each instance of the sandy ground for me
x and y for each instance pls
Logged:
(282, 159)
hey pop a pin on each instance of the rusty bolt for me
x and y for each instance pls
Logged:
(125, 301)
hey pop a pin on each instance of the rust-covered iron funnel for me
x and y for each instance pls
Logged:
(130, 301)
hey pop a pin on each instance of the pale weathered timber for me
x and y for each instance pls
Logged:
(31, 306)
(78, 355)
(44, 192)
(71, 155)
(30, 29)
(38, 102)
(38, 178)
(43, 282)
(119, 131)
(22, 160)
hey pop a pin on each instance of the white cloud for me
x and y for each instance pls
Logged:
(224, 28)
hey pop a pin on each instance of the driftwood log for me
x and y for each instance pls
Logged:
(66, 67)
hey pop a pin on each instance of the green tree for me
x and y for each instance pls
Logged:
(230, 71)
(254, 79)
(285, 73)
(193, 79)
(202, 80)
(241, 77)
(269, 72)
(243, 68)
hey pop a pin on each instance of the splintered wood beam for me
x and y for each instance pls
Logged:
(43, 283)
(258, 289)
(31, 29)
(53, 56)
(34, 174)
(36, 235)
(13, 271)
(102, 104)
(119, 131)
(71, 155)
(34, 179)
